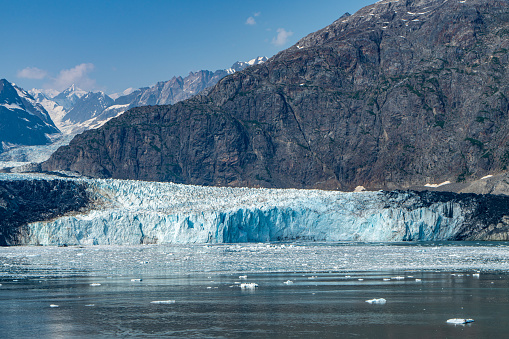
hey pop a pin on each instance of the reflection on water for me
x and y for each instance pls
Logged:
(99, 292)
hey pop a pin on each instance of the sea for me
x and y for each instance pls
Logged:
(258, 290)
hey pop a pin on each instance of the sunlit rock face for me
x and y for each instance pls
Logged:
(134, 212)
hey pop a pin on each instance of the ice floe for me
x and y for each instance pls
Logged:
(163, 302)
(459, 321)
(248, 286)
(379, 301)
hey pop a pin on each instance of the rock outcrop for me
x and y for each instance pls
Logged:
(401, 93)
(26, 201)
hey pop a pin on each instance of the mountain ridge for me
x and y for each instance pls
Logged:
(22, 120)
(75, 110)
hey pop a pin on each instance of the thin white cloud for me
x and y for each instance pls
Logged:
(282, 37)
(32, 73)
(77, 75)
(257, 14)
(251, 21)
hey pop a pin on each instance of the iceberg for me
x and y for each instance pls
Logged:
(380, 301)
(459, 321)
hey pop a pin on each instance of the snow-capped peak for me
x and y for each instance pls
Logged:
(73, 91)
(240, 65)
(257, 61)
(128, 91)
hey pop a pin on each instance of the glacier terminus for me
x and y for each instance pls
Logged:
(127, 212)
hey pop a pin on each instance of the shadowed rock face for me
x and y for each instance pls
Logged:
(398, 94)
(26, 201)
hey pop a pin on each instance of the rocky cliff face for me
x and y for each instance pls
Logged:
(401, 93)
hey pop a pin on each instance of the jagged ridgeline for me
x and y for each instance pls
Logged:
(401, 93)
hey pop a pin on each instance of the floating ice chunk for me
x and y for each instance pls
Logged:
(53, 305)
(360, 279)
(242, 276)
(380, 301)
(95, 284)
(248, 286)
(459, 321)
(163, 302)
(136, 280)
(312, 277)
(90, 305)
(418, 280)
(288, 282)
(398, 278)
(476, 275)
(387, 279)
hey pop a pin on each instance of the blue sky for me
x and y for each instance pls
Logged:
(112, 45)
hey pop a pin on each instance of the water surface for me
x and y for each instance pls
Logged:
(304, 290)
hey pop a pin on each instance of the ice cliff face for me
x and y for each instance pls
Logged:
(132, 212)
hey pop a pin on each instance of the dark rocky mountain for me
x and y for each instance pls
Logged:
(22, 120)
(401, 93)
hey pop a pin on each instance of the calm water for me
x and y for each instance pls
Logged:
(96, 295)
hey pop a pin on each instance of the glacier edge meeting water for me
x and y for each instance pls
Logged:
(132, 212)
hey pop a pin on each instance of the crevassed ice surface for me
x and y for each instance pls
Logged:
(133, 212)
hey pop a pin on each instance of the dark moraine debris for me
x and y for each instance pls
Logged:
(26, 201)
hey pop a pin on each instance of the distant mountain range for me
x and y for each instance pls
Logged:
(75, 110)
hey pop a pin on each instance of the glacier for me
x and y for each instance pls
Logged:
(126, 212)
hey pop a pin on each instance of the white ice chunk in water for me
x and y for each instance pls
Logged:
(459, 321)
(242, 276)
(95, 284)
(379, 301)
(288, 282)
(163, 302)
(248, 286)
(398, 278)
(53, 305)
(136, 280)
